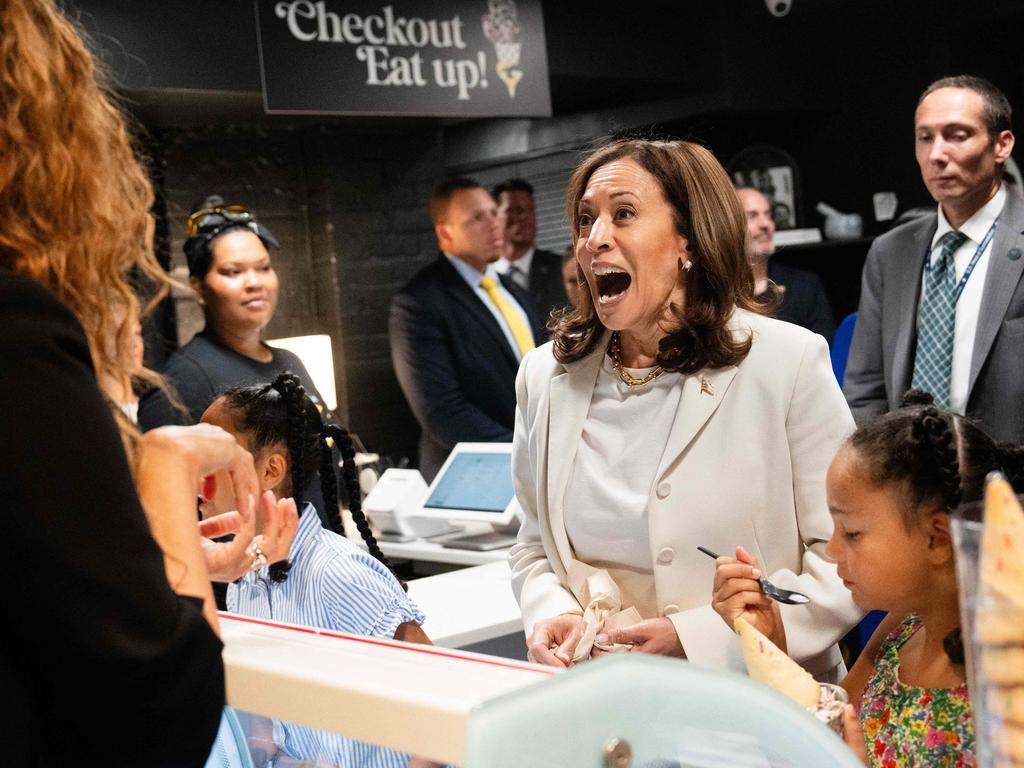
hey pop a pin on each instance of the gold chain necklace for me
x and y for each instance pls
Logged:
(628, 379)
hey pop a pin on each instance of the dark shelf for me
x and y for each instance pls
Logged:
(838, 263)
(860, 242)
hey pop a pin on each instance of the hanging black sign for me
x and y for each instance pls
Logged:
(468, 58)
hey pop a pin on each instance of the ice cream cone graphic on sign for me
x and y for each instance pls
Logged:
(501, 26)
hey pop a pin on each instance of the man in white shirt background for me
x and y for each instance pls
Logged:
(801, 293)
(942, 300)
(536, 271)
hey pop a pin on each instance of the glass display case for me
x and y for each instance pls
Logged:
(306, 697)
(993, 633)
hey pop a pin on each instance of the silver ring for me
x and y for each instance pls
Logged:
(259, 558)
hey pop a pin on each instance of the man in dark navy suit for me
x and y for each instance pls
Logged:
(458, 329)
(536, 271)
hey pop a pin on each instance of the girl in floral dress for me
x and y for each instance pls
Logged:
(890, 490)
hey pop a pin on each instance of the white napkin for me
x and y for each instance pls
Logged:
(603, 611)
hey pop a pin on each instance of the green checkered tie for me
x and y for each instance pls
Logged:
(936, 320)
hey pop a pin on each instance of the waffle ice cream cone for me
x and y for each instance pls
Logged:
(510, 75)
(508, 53)
(1008, 747)
(1007, 702)
(501, 27)
(767, 664)
(1000, 621)
(996, 626)
(1002, 545)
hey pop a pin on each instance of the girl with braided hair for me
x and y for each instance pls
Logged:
(890, 490)
(283, 429)
(327, 581)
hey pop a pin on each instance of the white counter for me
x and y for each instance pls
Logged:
(468, 606)
(430, 551)
(409, 697)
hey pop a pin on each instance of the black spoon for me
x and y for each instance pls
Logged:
(778, 594)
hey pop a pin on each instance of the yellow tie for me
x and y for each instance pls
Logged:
(522, 335)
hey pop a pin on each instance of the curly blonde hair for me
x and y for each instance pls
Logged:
(74, 199)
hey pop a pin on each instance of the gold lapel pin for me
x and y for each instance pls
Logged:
(705, 387)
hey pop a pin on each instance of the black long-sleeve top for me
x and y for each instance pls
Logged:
(100, 661)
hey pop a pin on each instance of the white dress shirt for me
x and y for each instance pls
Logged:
(610, 485)
(968, 308)
(473, 278)
(522, 274)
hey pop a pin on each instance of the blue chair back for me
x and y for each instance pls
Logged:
(841, 346)
(868, 625)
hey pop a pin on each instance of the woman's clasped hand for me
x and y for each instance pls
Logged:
(554, 640)
(648, 636)
(227, 561)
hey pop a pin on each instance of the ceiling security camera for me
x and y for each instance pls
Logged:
(779, 8)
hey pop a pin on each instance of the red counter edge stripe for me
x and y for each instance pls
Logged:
(385, 644)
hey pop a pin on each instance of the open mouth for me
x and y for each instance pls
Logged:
(611, 283)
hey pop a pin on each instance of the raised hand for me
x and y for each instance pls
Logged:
(736, 594)
(226, 561)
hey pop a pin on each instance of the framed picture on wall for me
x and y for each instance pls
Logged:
(773, 172)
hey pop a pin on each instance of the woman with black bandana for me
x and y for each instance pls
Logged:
(228, 253)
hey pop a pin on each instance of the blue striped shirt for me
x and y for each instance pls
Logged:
(333, 584)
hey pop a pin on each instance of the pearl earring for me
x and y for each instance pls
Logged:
(686, 266)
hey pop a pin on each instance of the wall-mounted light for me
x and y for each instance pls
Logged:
(315, 353)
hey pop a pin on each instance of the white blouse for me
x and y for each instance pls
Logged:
(623, 439)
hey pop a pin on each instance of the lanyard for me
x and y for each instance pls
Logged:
(970, 267)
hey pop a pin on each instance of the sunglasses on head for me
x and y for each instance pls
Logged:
(217, 217)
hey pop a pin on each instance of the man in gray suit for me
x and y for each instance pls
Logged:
(942, 300)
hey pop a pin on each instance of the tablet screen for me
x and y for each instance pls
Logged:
(477, 482)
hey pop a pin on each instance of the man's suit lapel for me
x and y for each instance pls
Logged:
(540, 273)
(906, 293)
(462, 294)
(1000, 282)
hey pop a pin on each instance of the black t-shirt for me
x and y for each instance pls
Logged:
(804, 301)
(203, 369)
(100, 661)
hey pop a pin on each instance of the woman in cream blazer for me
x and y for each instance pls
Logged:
(747, 449)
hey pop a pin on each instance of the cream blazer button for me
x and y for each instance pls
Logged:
(664, 489)
(669, 609)
(666, 556)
